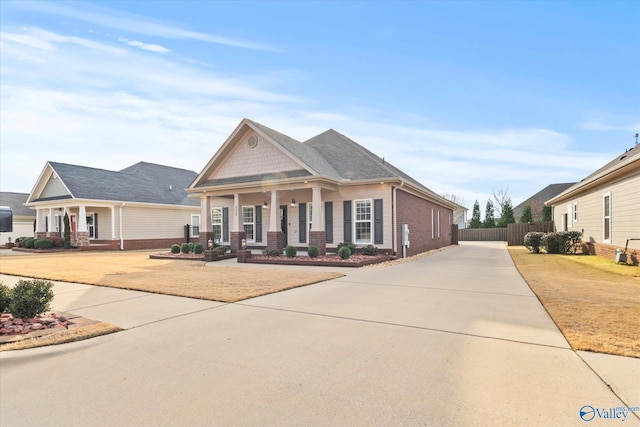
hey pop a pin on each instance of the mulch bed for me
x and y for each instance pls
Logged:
(322, 260)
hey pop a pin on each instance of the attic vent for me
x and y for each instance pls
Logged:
(252, 141)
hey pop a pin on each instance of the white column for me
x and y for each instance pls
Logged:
(235, 223)
(205, 214)
(39, 221)
(50, 224)
(274, 217)
(113, 223)
(317, 223)
(82, 219)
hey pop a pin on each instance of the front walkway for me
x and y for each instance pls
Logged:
(455, 338)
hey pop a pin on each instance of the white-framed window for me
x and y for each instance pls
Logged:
(216, 224)
(433, 226)
(248, 221)
(363, 221)
(438, 224)
(606, 216)
(195, 225)
(91, 225)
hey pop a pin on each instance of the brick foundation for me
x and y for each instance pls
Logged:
(275, 240)
(83, 238)
(243, 256)
(319, 239)
(609, 251)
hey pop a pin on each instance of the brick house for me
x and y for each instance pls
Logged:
(271, 191)
(144, 206)
(605, 206)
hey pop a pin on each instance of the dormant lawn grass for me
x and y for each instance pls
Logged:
(62, 336)
(134, 270)
(594, 302)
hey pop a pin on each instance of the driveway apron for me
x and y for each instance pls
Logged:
(454, 338)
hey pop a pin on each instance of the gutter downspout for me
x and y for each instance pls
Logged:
(121, 235)
(394, 204)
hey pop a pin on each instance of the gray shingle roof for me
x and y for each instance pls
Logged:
(16, 202)
(142, 182)
(541, 196)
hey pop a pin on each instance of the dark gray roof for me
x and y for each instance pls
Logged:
(541, 196)
(142, 182)
(16, 202)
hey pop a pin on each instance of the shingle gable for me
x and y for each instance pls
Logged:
(16, 201)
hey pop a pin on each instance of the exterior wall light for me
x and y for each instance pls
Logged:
(264, 205)
(293, 203)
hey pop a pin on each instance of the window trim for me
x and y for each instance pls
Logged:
(252, 224)
(575, 212)
(214, 224)
(607, 230)
(192, 234)
(357, 221)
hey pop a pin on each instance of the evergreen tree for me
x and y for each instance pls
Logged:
(506, 216)
(527, 215)
(67, 232)
(489, 219)
(546, 213)
(475, 216)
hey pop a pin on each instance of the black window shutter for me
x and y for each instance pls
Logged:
(347, 221)
(225, 224)
(258, 235)
(303, 222)
(95, 226)
(377, 222)
(328, 221)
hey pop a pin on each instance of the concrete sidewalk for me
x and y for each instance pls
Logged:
(455, 338)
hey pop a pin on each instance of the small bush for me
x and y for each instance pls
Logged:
(198, 249)
(43, 244)
(351, 246)
(313, 251)
(191, 246)
(533, 241)
(290, 251)
(222, 249)
(573, 241)
(30, 298)
(28, 242)
(551, 243)
(370, 250)
(5, 298)
(175, 249)
(344, 252)
(58, 241)
(272, 252)
(184, 248)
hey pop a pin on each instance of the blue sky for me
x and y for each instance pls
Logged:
(467, 97)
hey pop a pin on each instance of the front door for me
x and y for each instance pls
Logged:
(284, 224)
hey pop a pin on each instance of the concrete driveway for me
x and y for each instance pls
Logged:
(455, 338)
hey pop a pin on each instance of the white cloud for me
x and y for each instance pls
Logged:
(146, 46)
(110, 18)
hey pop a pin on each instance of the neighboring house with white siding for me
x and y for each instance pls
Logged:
(23, 217)
(605, 206)
(270, 190)
(144, 206)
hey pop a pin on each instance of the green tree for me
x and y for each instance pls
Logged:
(546, 213)
(527, 214)
(506, 215)
(489, 219)
(67, 232)
(475, 216)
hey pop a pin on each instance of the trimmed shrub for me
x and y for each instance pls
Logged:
(272, 252)
(290, 251)
(370, 250)
(313, 251)
(67, 232)
(552, 243)
(5, 297)
(198, 249)
(222, 249)
(28, 242)
(184, 248)
(344, 252)
(175, 249)
(191, 246)
(533, 241)
(30, 298)
(43, 244)
(351, 246)
(58, 241)
(573, 241)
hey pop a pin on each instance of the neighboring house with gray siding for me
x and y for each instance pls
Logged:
(23, 217)
(272, 191)
(605, 206)
(144, 206)
(537, 200)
